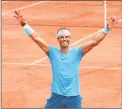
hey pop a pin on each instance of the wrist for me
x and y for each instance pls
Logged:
(23, 24)
(106, 30)
(28, 30)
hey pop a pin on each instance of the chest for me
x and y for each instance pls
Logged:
(68, 58)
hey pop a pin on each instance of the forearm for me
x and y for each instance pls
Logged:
(86, 47)
(35, 37)
(99, 37)
(39, 41)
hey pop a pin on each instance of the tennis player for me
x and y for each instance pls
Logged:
(65, 62)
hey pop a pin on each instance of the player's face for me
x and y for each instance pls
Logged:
(64, 40)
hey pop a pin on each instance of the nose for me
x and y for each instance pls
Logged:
(64, 38)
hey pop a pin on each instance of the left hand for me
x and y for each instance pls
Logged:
(112, 22)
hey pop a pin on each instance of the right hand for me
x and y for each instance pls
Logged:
(19, 17)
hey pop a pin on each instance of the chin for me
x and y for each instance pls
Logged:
(65, 46)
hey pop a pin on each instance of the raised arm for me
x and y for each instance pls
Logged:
(33, 35)
(86, 47)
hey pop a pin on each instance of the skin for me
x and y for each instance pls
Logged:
(64, 39)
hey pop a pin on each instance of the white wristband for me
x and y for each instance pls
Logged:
(28, 29)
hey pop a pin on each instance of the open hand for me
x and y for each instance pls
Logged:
(112, 22)
(19, 17)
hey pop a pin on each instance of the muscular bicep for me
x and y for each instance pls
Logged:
(86, 47)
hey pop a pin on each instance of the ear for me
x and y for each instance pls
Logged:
(57, 39)
(69, 37)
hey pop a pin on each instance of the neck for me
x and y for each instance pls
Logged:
(64, 50)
